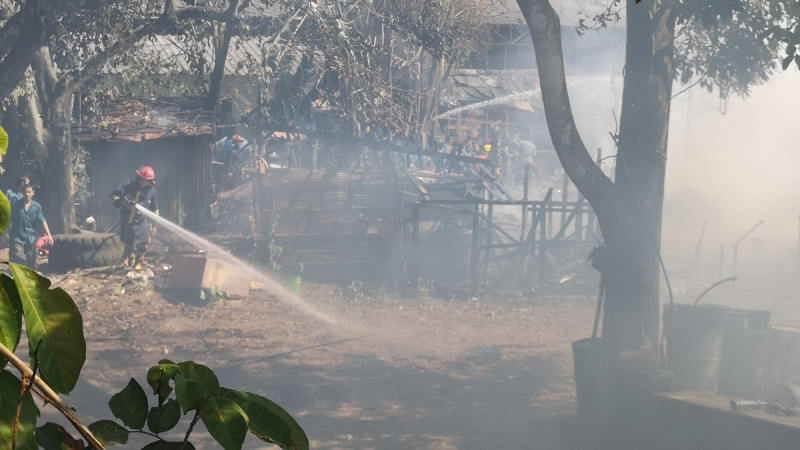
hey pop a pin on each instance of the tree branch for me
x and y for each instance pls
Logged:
(50, 396)
(29, 38)
(544, 25)
(70, 81)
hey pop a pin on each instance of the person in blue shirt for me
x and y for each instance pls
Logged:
(135, 230)
(12, 194)
(26, 214)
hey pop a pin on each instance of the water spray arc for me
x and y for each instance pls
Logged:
(250, 271)
(490, 102)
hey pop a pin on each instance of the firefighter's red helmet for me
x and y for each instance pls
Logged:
(146, 172)
(236, 139)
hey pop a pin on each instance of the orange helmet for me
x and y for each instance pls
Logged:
(147, 173)
(236, 139)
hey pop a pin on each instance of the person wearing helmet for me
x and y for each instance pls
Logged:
(134, 229)
(241, 157)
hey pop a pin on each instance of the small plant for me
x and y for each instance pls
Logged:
(185, 388)
(355, 290)
(425, 288)
(275, 250)
(213, 295)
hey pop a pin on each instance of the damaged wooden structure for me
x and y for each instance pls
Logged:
(399, 224)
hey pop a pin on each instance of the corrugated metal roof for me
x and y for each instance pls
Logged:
(135, 120)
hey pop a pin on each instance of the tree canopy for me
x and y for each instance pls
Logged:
(358, 61)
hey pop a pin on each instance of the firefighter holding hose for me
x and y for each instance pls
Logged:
(134, 229)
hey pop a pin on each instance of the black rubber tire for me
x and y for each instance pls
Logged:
(70, 251)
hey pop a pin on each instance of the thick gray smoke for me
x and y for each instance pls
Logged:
(732, 165)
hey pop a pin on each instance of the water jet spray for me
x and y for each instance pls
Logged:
(248, 270)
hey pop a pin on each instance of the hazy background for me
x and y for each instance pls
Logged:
(732, 165)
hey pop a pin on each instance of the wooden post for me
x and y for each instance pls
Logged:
(474, 271)
(525, 205)
(564, 195)
(489, 239)
(579, 217)
(415, 256)
(522, 250)
(590, 215)
(256, 225)
(548, 212)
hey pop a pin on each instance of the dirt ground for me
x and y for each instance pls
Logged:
(388, 373)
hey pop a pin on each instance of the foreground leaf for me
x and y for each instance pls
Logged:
(54, 326)
(109, 432)
(269, 421)
(188, 393)
(130, 405)
(52, 436)
(3, 142)
(5, 213)
(225, 421)
(166, 445)
(10, 388)
(10, 319)
(159, 376)
(205, 377)
(165, 417)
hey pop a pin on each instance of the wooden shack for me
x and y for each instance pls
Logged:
(177, 142)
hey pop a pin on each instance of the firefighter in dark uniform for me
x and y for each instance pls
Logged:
(135, 230)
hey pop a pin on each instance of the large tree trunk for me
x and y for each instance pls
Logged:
(628, 213)
(48, 121)
(57, 185)
(632, 281)
(629, 209)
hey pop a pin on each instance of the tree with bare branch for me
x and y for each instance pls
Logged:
(730, 45)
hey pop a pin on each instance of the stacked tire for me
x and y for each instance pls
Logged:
(71, 251)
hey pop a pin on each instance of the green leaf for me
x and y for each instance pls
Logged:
(188, 392)
(165, 445)
(54, 328)
(5, 213)
(159, 376)
(165, 417)
(109, 432)
(130, 405)
(3, 141)
(52, 436)
(268, 421)
(10, 318)
(225, 421)
(48, 436)
(10, 388)
(203, 375)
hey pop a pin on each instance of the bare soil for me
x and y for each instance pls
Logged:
(390, 373)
